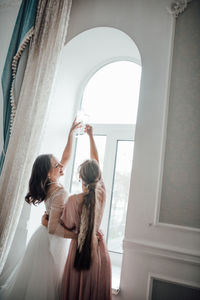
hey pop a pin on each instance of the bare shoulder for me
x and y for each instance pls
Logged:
(72, 197)
(76, 197)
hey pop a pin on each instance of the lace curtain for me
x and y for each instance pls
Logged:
(34, 100)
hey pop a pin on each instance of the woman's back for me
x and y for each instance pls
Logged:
(95, 282)
(76, 202)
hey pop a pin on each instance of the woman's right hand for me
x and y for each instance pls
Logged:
(75, 125)
(93, 148)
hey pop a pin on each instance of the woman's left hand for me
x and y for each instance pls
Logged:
(88, 129)
(100, 235)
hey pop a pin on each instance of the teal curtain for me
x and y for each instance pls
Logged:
(25, 21)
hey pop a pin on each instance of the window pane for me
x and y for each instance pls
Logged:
(83, 153)
(120, 195)
(114, 87)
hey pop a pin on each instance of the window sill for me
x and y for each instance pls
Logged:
(115, 279)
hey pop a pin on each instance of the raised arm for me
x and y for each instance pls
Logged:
(68, 148)
(93, 148)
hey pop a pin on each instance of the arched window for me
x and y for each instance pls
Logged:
(110, 101)
(103, 82)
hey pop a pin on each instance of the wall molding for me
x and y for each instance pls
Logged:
(178, 7)
(177, 227)
(165, 123)
(170, 279)
(162, 250)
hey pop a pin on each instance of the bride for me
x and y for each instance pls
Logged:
(39, 272)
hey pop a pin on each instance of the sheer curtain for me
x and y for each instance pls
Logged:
(50, 32)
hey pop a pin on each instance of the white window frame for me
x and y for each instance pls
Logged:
(113, 133)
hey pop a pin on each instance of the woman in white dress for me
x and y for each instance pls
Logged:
(39, 272)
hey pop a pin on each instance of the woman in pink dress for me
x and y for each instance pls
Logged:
(87, 273)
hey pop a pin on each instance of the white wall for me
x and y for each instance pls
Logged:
(151, 249)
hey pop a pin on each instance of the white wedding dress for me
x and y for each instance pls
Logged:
(38, 274)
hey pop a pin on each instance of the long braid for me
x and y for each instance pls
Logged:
(90, 174)
(84, 249)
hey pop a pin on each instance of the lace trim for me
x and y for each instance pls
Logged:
(15, 63)
(57, 189)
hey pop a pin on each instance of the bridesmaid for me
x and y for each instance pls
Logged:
(87, 273)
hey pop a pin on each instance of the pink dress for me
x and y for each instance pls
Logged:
(92, 284)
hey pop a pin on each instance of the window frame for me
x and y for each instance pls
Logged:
(113, 133)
